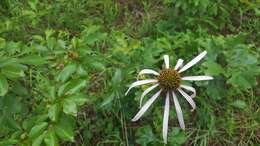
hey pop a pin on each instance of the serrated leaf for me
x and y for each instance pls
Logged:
(145, 136)
(176, 137)
(3, 85)
(213, 68)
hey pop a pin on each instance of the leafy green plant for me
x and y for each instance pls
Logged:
(65, 66)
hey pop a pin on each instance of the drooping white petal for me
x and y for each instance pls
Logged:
(148, 71)
(141, 82)
(178, 111)
(166, 61)
(146, 106)
(193, 61)
(146, 92)
(178, 64)
(197, 78)
(188, 98)
(166, 117)
(193, 90)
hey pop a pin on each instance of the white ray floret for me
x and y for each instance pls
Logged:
(166, 61)
(146, 106)
(193, 61)
(148, 71)
(142, 82)
(173, 76)
(178, 64)
(146, 92)
(188, 98)
(166, 117)
(189, 88)
(178, 110)
(197, 78)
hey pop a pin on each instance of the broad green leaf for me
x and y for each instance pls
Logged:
(70, 107)
(14, 71)
(64, 128)
(71, 87)
(67, 72)
(33, 60)
(3, 85)
(30, 122)
(10, 122)
(51, 138)
(8, 142)
(53, 112)
(51, 93)
(38, 141)
(5, 61)
(79, 99)
(75, 86)
(38, 129)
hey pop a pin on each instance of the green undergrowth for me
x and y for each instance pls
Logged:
(66, 65)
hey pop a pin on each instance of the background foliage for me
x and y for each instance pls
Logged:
(65, 65)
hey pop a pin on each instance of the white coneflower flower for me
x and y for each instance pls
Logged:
(168, 81)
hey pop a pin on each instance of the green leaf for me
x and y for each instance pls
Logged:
(213, 68)
(38, 129)
(3, 85)
(145, 136)
(8, 142)
(239, 104)
(5, 61)
(51, 139)
(108, 100)
(176, 137)
(72, 87)
(242, 80)
(19, 89)
(75, 86)
(53, 112)
(67, 72)
(14, 71)
(33, 60)
(79, 99)
(38, 141)
(117, 78)
(64, 129)
(70, 107)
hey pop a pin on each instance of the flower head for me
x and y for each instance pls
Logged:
(168, 81)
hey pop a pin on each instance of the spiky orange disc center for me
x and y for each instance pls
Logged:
(169, 79)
